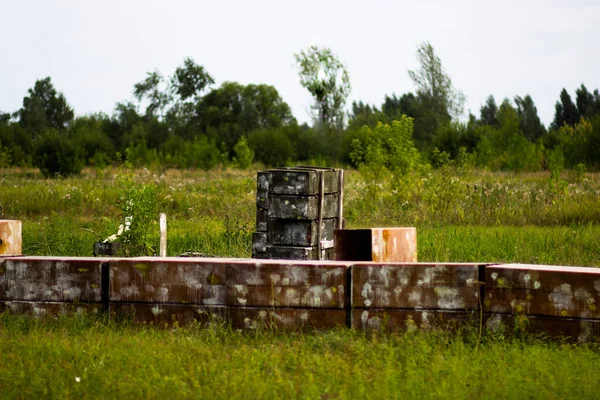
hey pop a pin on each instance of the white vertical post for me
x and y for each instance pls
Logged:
(163, 234)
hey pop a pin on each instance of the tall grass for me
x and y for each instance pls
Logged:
(93, 358)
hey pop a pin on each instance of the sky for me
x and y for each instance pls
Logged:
(95, 51)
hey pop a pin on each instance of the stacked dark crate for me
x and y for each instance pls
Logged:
(289, 208)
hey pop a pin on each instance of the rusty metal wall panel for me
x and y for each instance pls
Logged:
(286, 285)
(295, 181)
(580, 330)
(10, 237)
(415, 286)
(49, 309)
(302, 207)
(45, 279)
(376, 244)
(180, 281)
(543, 290)
(398, 320)
(299, 233)
(168, 314)
(285, 318)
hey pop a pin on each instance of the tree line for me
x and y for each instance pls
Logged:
(184, 121)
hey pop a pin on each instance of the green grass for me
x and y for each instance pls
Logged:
(482, 217)
(88, 358)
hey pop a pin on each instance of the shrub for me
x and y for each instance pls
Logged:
(56, 155)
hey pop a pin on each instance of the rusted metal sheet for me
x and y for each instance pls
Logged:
(543, 290)
(298, 253)
(415, 286)
(298, 232)
(286, 285)
(576, 329)
(174, 281)
(376, 244)
(285, 318)
(303, 181)
(10, 237)
(398, 320)
(168, 314)
(50, 279)
(302, 207)
(49, 309)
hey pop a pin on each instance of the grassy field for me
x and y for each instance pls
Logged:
(476, 217)
(87, 358)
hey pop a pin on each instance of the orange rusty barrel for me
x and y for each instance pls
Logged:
(10, 237)
(376, 244)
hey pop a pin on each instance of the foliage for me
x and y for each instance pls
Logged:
(139, 212)
(439, 100)
(327, 80)
(44, 108)
(56, 155)
(243, 153)
(386, 150)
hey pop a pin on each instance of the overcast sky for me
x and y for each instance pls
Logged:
(95, 51)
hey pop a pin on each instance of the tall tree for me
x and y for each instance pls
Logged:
(530, 123)
(565, 111)
(44, 108)
(394, 107)
(440, 100)
(585, 102)
(489, 112)
(327, 80)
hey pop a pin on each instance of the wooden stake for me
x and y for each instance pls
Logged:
(163, 234)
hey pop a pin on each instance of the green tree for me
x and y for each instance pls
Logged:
(530, 123)
(565, 112)
(439, 100)
(489, 112)
(44, 108)
(327, 80)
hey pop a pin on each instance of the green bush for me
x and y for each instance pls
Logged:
(57, 155)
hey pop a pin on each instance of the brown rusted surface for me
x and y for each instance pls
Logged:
(415, 286)
(286, 285)
(49, 309)
(285, 318)
(376, 244)
(302, 207)
(298, 232)
(10, 237)
(394, 244)
(173, 281)
(543, 290)
(397, 320)
(303, 181)
(50, 279)
(168, 314)
(580, 330)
